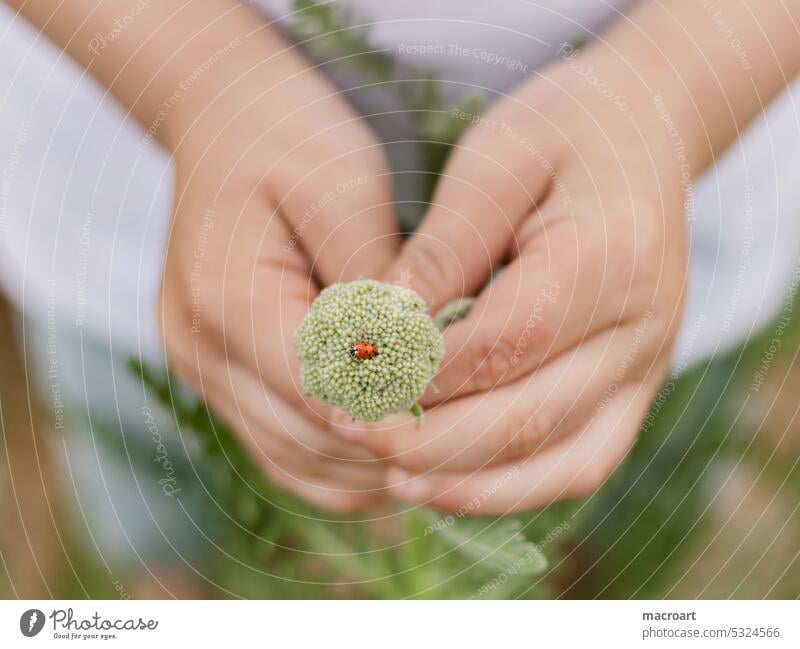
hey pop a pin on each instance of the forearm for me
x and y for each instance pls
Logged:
(168, 60)
(714, 64)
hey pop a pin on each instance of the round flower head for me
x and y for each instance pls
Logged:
(368, 347)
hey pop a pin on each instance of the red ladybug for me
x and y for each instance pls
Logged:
(362, 350)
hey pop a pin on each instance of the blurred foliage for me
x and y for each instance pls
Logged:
(269, 544)
(644, 520)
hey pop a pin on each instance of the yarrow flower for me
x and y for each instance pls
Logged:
(368, 347)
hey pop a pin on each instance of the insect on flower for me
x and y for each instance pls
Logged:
(348, 328)
(363, 350)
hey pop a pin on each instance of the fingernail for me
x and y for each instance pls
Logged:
(345, 427)
(407, 487)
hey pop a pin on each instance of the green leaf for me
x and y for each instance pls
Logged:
(495, 544)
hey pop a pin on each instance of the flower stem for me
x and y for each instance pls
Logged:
(453, 311)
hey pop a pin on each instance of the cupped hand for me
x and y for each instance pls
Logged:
(280, 189)
(573, 205)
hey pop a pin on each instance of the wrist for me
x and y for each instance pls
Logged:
(705, 70)
(618, 124)
(236, 87)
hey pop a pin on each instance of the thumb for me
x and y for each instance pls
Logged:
(340, 213)
(485, 191)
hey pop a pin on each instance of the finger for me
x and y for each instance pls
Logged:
(230, 266)
(566, 284)
(340, 475)
(257, 290)
(574, 468)
(513, 421)
(350, 478)
(252, 293)
(296, 461)
(266, 423)
(487, 188)
(326, 497)
(345, 474)
(337, 202)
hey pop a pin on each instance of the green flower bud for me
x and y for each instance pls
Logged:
(408, 347)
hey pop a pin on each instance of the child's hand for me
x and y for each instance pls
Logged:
(545, 384)
(278, 184)
(273, 186)
(577, 182)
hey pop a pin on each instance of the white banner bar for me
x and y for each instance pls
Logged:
(401, 625)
